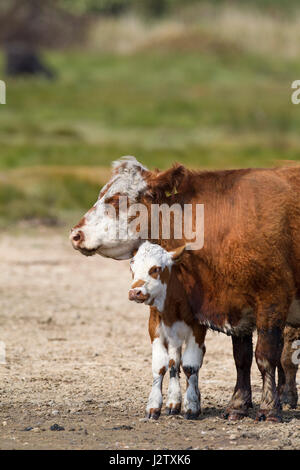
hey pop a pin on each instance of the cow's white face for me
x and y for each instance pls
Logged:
(106, 229)
(151, 268)
(100, 230)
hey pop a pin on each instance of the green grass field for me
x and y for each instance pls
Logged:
(198, 100)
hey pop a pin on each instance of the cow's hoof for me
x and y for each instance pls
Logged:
(154, 413)
(274, 419)
(271, 416)
(191, 415)
(173, 410)
(289, 400)
(234, 415)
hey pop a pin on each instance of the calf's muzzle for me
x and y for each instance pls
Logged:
(137, 295)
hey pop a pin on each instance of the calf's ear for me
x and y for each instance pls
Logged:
(177, 254)
(162, 184)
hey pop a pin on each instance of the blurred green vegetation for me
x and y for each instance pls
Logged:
(161, 7)
(193, 97)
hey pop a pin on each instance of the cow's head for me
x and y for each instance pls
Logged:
(151, 269)
(99, 230)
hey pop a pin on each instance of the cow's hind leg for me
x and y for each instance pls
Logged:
(173, 404)
(268, 353)
(287, 376)
(191, 362)
(241, 399)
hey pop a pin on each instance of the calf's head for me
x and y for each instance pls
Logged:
(99, 230)
(151, 269)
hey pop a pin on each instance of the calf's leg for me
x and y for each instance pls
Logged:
(241, 399)
(191, 362)
(173, 404)
(159, 365)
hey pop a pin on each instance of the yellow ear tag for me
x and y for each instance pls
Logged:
(172, 193)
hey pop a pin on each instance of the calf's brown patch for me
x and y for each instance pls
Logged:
(138, 283)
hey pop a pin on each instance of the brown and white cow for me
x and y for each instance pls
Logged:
(155, 283)
(248, 273)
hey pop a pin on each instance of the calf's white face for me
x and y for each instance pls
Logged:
(151, 268)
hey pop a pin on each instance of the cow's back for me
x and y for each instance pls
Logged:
(248, 237)
(247, 214)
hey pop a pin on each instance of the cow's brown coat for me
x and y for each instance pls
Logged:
(251, 254)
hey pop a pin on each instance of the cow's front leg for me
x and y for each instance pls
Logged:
(268, 353)
(241, 399)
(287, 376)
(159, 364)
(191, 362)
(173, 404)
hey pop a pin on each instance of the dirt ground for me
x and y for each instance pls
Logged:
(78, 356)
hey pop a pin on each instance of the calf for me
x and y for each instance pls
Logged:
(171, 324)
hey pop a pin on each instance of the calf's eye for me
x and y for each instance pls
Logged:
(154, 271)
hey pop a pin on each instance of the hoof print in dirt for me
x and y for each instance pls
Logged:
(56, 427)
(123, 427)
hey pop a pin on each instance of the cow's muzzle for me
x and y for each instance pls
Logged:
(138, 296)
(77, 239)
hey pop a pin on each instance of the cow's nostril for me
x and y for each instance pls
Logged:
(78, 237)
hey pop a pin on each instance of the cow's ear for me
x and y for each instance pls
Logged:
(162, 184)
(177, 254)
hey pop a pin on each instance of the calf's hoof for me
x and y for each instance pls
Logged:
(271, 416)
(153, 413)
(234, 415)
(173, 409)
(191, 414)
